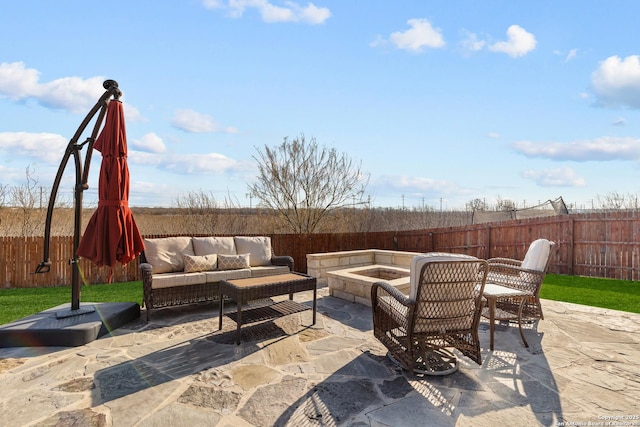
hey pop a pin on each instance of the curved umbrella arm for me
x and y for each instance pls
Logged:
(73, 148)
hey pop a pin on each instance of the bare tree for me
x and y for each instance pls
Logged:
(304, 183)
(477, 205)
(4, 190)
(200, 212)
(617, 201)
(505, 204)
(25, 197)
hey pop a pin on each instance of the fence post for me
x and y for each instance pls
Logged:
(571, 242)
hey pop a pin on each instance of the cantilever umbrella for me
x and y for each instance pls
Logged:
(112, 234)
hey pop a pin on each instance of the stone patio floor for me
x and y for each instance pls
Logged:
(582, 368)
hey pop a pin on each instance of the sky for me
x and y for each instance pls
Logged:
(440, 102)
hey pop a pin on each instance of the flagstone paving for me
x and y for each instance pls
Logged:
(583, 366)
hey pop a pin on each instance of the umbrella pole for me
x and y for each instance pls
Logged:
(77, 221)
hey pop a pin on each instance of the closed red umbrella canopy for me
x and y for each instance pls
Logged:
(112, 234)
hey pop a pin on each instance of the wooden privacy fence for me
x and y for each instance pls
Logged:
(597, 245)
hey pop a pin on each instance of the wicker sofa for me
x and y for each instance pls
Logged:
(186, 270)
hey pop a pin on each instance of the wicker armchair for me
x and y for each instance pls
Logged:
(526, 276)
(442, 311)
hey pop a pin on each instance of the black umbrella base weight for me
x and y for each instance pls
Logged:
(46, 329)
(83, 309)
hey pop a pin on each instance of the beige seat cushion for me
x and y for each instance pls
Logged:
(171, 280)
(259, 248)
(537, 255)
(166, 254)
(419, 261)
(216, 276)
(214, 245)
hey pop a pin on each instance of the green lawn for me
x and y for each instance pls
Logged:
(621, 295)
(18, 303)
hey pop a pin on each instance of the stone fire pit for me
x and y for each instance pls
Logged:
(354, 284)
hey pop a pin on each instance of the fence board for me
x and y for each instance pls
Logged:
(599, 245)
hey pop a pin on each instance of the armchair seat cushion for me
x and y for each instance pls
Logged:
(442, 320)
(418, 262)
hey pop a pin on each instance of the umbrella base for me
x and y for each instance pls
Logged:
(83, 309)
(45, 329)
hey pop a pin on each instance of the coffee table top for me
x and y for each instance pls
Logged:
(265, 280)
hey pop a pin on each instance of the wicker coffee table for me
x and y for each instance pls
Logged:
(254, 288)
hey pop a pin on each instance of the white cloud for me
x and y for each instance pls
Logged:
(616, 82)
(519, 43)
(186, 164)
(48, 147)
(197, 163)
(150, 142)
(494, 135)
(600, 149)
(420, 35)
(194, 122)
(620, 121)
(572, 54)
(269, 12)
(562, 177)
(471, 43)
(17, 82)
(416, 185)
(132, 114)
(68, 93)
(73, 94)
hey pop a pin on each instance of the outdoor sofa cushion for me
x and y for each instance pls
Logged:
(259, 248)
(166, 254)
(172, 280)
(214, 245)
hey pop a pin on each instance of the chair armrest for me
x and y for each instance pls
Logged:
(283, 260)
(379, 289)
(515, 277)
(506, 261)
(146, 271)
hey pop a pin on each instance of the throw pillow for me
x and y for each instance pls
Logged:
(166, 254)
(258, 247)
(233, 262)
(193, 264)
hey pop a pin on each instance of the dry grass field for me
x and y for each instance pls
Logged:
(160, 221)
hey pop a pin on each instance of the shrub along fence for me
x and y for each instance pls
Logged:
(596, 244)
